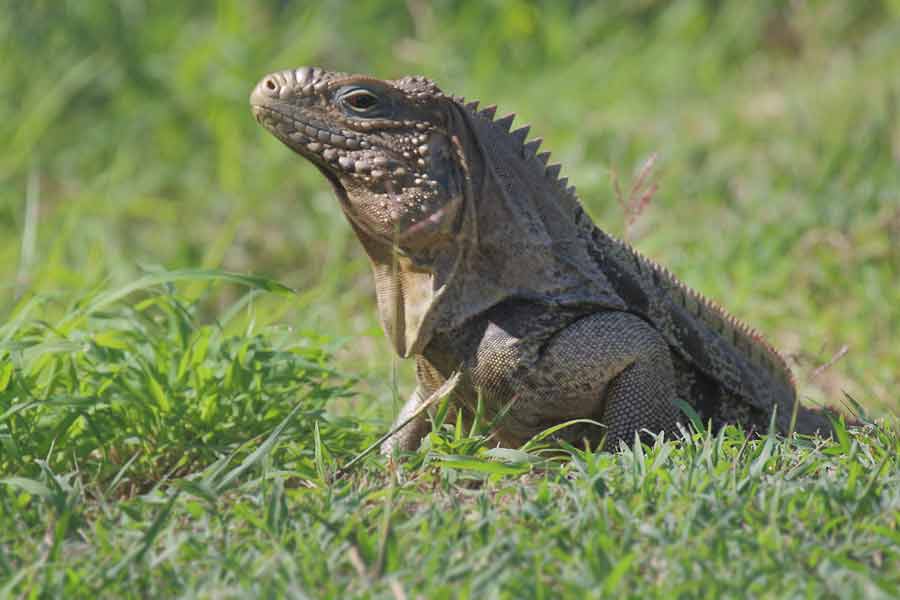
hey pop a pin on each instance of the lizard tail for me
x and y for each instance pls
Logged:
(812, 421)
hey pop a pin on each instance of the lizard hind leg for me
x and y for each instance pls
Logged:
(640, 398)
(613, 367)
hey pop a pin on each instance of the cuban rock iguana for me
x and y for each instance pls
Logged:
(487, 265)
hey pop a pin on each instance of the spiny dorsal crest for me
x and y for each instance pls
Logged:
(520, 134)
(489, 112)
(505, 123)
(529, 149)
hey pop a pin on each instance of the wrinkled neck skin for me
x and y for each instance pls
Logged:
(500, 232)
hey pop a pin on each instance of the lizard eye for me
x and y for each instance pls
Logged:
(360, 101)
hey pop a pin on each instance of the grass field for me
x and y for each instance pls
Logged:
(171, 428)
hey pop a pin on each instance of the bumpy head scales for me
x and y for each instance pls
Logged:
(383, 145)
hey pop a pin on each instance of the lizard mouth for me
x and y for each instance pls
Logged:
(312, 141)
(315, 144)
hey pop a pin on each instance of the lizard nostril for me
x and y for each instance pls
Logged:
(269, 88)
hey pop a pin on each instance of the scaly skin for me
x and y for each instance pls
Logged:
(485, 263)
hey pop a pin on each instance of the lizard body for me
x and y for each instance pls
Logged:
(486, 264)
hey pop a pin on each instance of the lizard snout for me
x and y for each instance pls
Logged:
(280, 84)
(271, 87)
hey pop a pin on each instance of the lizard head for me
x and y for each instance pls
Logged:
(383, 145)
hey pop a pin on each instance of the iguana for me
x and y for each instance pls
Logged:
(487, 265)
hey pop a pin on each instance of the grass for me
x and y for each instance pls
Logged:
(171, 428)
(152, 455)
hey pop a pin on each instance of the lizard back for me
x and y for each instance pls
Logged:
(725, 350)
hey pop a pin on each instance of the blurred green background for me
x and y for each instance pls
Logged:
(128, 145)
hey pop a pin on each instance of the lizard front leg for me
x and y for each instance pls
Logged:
(410, 435)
